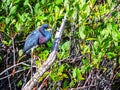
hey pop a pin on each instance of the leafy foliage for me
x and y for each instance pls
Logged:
(90, 42)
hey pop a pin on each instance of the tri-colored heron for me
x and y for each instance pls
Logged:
(38, 36)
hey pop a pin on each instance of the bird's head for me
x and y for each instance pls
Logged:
(45, 25)
(42, 28)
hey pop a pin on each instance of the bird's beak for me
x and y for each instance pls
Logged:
(50, 29)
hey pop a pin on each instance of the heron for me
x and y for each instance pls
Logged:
(35, 38)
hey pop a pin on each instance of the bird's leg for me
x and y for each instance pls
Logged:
(46, 45)
(50, 40)
(33, 65)
(32, 61)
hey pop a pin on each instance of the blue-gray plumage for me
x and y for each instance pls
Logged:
(38, 36)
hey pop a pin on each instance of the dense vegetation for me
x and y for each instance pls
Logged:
(89, 52)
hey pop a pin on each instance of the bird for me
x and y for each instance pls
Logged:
(37, 37)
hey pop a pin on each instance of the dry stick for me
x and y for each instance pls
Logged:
(8, 74)
(13, 51)
(46, 65)
(42, 85)
(11, 74)
(13, 67)
(83, 87)
(88, 78)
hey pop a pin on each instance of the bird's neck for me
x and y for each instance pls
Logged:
(42, 31)
(45, 33)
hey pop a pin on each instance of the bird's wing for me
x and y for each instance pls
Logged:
(31, 40)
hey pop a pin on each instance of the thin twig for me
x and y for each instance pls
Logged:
(44, 81)
(14, 61)
(11, 74)
(82, 88)
(90, 74)
(13, 67)
(8, 73)
(5, 33)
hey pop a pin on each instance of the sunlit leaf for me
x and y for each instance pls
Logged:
(59, 1)
(20, 52)
(61, 68)
(0, 58)
(7, 20)
(87, 10)
(26, 2)
(91, 39)
(74, 73)
(13, 10)
(79, 74)
(81, 32)
(66, 46)
(52, 75)
(19, 83)
(72, 83)
(66, 5)
(57, 11)
(115, 35)
(43, 1)
(8, 43)
(74, 15)
(111, 54)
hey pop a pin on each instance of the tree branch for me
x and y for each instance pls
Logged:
(46, 65)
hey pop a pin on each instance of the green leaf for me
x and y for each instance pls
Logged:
(13, 10)
(20, 52)
(17, 1)
(74, 73)
(87, 10)
(38, 64)
(52, 75)
(81, 32)
(66, 46)
(79, 75)
(65, 76)
(109, 27)
(19, 83)
(72, 83)
(57, 11)
(83, 68)
(37, 9)
(44, 55)
(18, 26)
(65, 84)
(117, 76)
(26, 2)
(115, 35)
(43, 1)
(111, 55)
(59, 1)
(61, 68)
(8, 2)
(66, 5)
(82, 3)
(109, 2)
(74, 15)
(8, 43)
(7, 20)
(91, 39)
(0, 58)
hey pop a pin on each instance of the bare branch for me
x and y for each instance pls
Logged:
(13, 67)
(13, 51)
(46, 65)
